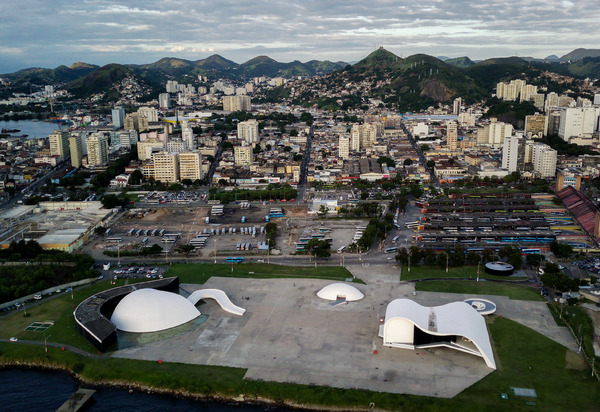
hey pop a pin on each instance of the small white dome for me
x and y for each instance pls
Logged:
(151, 310)
(337, 291)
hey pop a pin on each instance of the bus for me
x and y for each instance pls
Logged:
(395, 239)
(113, 239)
(234, 259)
(391, 250)
(530, 251)
(106, 266)
(341, 249)
(410, 225)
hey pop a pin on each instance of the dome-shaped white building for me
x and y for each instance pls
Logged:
(151, 310)
(340, 291)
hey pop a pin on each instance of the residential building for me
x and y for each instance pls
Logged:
(128, 138)
(243, 155)
(190, 166)
(510, 153)
(166, 167)
(494, 133)
(544, 160)
(237, 103)
(456, 106)
(118, 116)
(578, 122)
(176, 146)
(149, 113)
(344, 147)
(536, 124)
(164, 101)
(97, 145)
(135, 121)
(452, 135)
(146, 148)
(566, 178)
(59, 144)
(248, 131)
(76, 150)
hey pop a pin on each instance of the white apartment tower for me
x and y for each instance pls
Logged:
(97, 145)
(59, 144)
(578, 122)
(344, 147)
(355, 133)
(248, 131)
(164, 101)
(543, 158)
(118, 116)
(510, 153)
(149, 113)
(166, 167)
(187, 135)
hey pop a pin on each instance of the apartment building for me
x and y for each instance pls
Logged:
(166, 167)
(97, 146)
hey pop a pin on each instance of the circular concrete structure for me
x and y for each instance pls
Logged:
(340, 291)
(151, 310)
(483, 306)
(499, 268)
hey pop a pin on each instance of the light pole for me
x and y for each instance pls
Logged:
(45, 340)
(215, 249)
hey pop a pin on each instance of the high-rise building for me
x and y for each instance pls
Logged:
(190, 166)
(176, 146)
(164, 101)
(166, 167)
(344, 147)
(566, 178)
(456, 106)
(149, 113)
(187, 135)
(135, 121)
(76, 150)
(118, 116)
(494, 133)
(452, 135)
(536, 124)
(59, 144)
(128, 138)
(237, 103)
(248, 131)
(544, 160)
(510, 153)
(243, 155)
(578, 122)
(145, 148)
(97, 145)
(355, 137)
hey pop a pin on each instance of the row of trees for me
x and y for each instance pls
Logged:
(273, 191)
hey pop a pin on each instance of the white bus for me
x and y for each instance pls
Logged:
(395, 239)
(341, 249)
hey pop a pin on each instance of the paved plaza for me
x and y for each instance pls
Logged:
(288, 334)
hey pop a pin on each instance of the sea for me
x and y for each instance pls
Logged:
(34, 129)
(34, 390)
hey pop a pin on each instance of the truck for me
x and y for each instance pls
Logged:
(243, 219)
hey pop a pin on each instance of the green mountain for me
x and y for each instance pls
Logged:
(99, 81)
(579, 54)
(216, 63)
(61, 74)
(462, 62)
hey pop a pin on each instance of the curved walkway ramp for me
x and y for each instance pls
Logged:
(221, 298)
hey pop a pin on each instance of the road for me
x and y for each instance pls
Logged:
(422, 157)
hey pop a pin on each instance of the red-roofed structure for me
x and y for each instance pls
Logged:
(583, 209)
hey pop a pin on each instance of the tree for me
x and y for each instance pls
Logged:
(561, 249)
(473, 258)
(323, 210)
(416, 191)
(534, 259)
(431, 164)
(408, 162)
(100, 230)
(307, 118)
(387, 160)
(111, 201)
(430, 257)
(185, 249)
(187, 182)
(136, 177)
(319, 248)
(402, 256)
(293, 133)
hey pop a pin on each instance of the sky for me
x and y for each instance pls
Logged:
(48, 33)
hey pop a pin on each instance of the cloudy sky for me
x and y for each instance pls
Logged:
(47, 33)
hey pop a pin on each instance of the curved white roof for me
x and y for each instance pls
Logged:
(151, 310)
(456, 318)
(221, 298)
(340, 290)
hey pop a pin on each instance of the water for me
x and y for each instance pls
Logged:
(34, 390)
(35, 129)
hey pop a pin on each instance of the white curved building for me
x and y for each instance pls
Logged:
(340, 291)
(455, 325)
(151, 310)
(221, 298)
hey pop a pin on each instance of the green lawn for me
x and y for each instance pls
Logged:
(199, 273)
(428, 272)
(60, 311)
(516, 347)
(517, 292)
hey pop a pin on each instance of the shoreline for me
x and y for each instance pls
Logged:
(241, 399)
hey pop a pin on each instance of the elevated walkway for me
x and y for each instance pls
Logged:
(221, 298)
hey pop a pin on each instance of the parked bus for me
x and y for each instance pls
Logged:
(391, 250)
(234, 259)
(341, 249)
(113, 239)
(395, 239)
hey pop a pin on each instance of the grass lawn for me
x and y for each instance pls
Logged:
(516, 347)
(517, 292)
(60, 311)
(199, 273)
(427, 272)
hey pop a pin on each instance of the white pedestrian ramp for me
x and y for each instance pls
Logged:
(221, 298)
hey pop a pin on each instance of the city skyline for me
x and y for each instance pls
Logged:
(63, 32)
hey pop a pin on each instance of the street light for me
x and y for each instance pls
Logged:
(45, 340)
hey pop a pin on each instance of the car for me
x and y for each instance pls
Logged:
(13, 339)
(37, 297)
(100, 277)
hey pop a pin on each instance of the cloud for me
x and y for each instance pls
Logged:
(141, 31)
